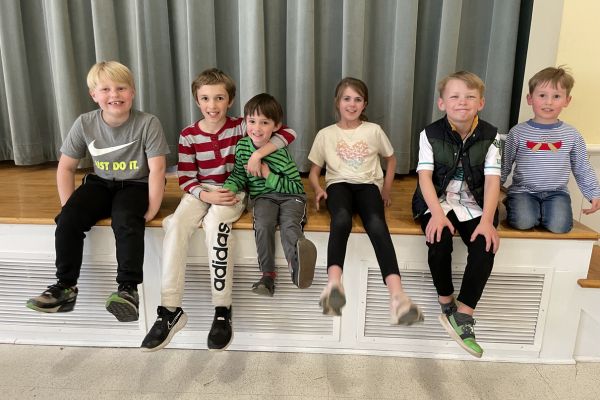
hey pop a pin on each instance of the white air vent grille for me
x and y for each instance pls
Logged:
(507, 313)
(290, 311)
(21, 281)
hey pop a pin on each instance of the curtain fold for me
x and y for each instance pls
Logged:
(296, 50)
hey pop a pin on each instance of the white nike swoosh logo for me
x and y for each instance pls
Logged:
(169, 325)
(95, 152)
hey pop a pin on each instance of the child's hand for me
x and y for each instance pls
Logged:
(595, 207)
(320, 194)
(254, 165)
(264, 170)
(487, 230)
(222, 197)
(435, 226)
(149, 216)
(386, 195)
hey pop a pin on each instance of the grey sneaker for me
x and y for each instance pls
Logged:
(303, 265)
(124, 303)
(460, 328)
(57, 298)
(265, 286)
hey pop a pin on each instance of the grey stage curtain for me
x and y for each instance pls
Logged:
(296, 50)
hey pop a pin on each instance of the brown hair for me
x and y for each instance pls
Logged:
(214, 76)
(359, 86)
(470, 79)
(266, 105)
(113, 70)
(554, 76)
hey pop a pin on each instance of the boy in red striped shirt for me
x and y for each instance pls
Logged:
(206, 158)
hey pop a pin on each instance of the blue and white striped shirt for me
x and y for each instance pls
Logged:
(544, 155)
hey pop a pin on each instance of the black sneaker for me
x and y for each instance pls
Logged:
(57, 298)
(123, 303)
(303, 265)
(221, 333)
(167, 324)
(265, 286)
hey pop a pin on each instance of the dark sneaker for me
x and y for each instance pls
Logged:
(167, 324)
(221, 333)
(449, 308)
(332, 300)
(123, 303)
(403, 311)
(57, 298)
(265, 286)
(460, 328)
(303, 265)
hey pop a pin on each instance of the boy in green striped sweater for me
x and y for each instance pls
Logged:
(278, 197)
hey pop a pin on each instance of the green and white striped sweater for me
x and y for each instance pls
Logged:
(284, 176)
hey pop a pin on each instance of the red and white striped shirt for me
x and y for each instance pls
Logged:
(209, 157)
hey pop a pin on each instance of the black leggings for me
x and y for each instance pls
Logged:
(479, 261)
(126, 203)
(343, 200)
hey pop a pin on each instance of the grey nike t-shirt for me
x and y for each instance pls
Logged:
(119, 153)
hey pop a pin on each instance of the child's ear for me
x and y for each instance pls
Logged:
(440, 104)
(568, 101)
(93, 95)
(277, 127)
(481, 104)
(529, 99)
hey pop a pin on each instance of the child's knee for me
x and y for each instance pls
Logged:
(559, 225)
(522, 219)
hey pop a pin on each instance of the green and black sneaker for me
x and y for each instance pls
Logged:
(57, 298)
(460, 328)
(449, 308)
(124, 303)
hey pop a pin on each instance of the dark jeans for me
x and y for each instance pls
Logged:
(479, 261)
(126, 203)
(343, 200)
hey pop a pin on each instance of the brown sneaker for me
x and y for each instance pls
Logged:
(333, 299)
(303, 265)
(403, 311)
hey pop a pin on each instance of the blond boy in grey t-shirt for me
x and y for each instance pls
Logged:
(128, 149)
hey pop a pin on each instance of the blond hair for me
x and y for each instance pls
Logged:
(112, 70)
(554, 76)
(470, 79)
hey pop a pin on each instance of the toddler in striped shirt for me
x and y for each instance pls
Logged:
(544, 151)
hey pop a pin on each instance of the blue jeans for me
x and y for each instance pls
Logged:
(551, 210)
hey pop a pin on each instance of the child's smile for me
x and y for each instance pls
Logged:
(115, 99)
(213, 101)
(350, 106)
(547, 103)
(260, 128)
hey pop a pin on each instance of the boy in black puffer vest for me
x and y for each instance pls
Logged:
(459, 186)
